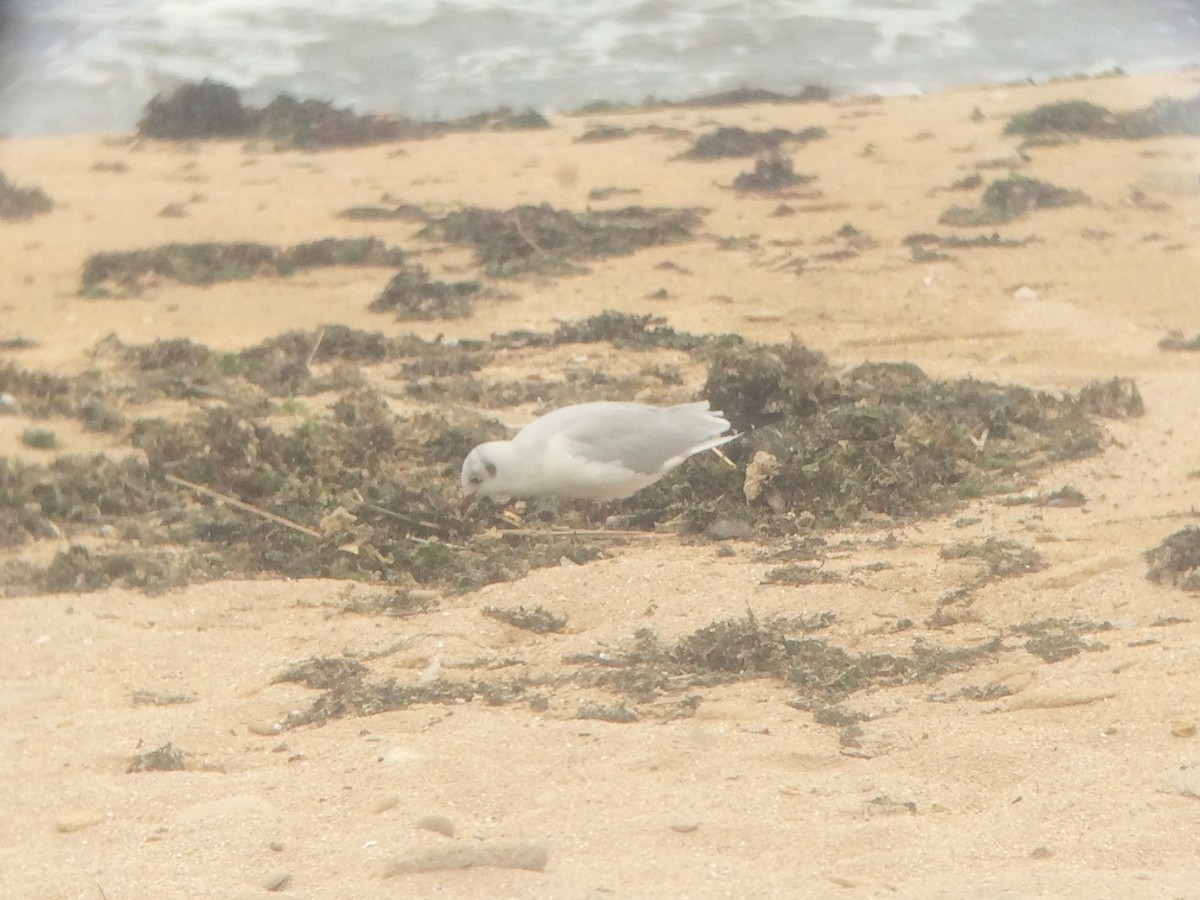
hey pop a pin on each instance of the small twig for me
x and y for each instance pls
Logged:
(315, 347)
(238, 504)
(408, 642)
(526, 238)
(579, 532)
(425, 542)
(725, 459)
(416, 523)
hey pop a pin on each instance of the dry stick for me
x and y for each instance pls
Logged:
(575, 532)
(238, 504)
(520, 228)
(419, 523)
(313, 353)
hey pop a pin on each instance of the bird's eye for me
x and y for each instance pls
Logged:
(475, 479)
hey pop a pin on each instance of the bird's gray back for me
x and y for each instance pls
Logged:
(641, 438)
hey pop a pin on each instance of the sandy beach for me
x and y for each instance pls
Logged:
(1022, 774)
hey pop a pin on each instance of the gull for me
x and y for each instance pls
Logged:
(593, 451)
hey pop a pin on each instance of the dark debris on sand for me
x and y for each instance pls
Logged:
(1163, 117)
(1011, 198)
(555, 241)
(1176, 560)
(249, 481)
(413, 295)
(732, 141)
(212, 110)
(128, 272)
(18, 202)
(359, 492)
(771, 174)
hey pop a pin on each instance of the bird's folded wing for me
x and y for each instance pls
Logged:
(646, 440)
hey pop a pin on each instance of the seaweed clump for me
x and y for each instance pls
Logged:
(885, 438)
(733, 141)
(311, 124)
(347, 691)
(545, 239)
(539, 620)
(1176, 560)
(22, 202)
(926, 247)
(625, 331)
(210, 109)
(725, 651)
(1163, 117)
(166, 758)
(38, 394)
(412, 295)
(1010, 198)
(252, 481)
(1053, 640)
(744, 96)
(603, 132)
(1063, 117)
(782, 648)
(502, 118)
(236, 488)
(1175, 340)
(206, 263)
(1000, 558)
(774, 173)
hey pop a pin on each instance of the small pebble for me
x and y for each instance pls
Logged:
(1182, 728)
(395, 756)
(440, 824)
(762, 315)
(1026, 293)
(384, 803)
(685, 827)
(728, 529)
(1184, 780)
(431, 672)
(531, 857)
(277, 880)
(77, 821)
(1048, 698)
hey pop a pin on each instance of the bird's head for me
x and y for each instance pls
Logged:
(480, 471)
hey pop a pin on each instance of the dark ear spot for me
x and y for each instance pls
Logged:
(491, 468)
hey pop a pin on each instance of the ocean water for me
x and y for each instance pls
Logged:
(71, 65)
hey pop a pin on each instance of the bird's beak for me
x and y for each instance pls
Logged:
(465, 503)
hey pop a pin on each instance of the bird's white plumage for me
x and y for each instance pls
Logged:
(593, 451)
